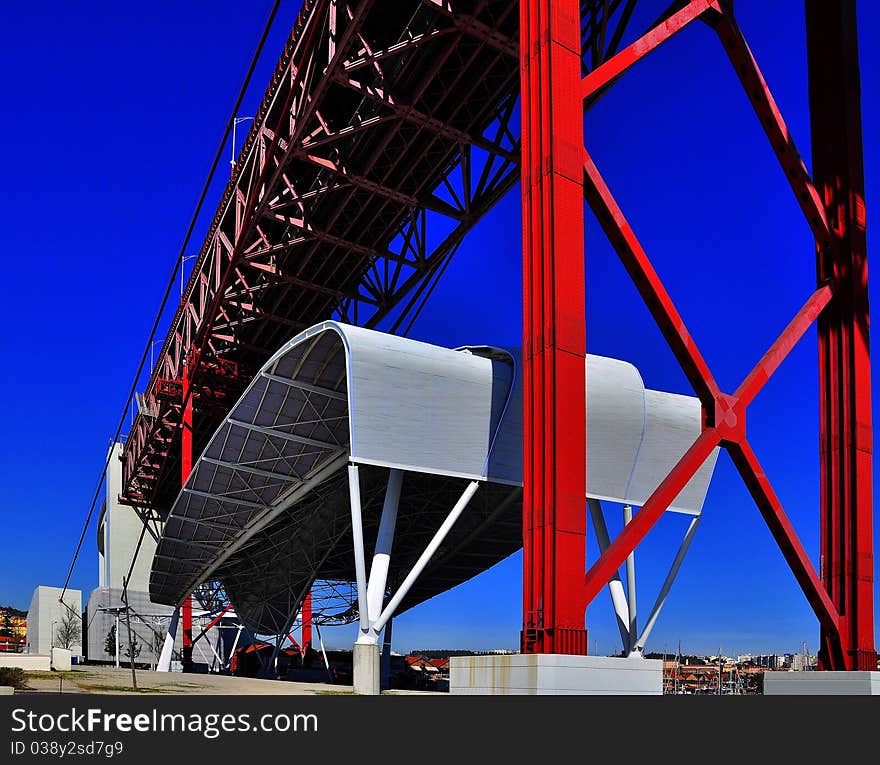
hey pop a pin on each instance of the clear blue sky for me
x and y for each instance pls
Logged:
(109, 117)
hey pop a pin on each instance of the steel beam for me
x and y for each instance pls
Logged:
(844, 353)
(554, 334)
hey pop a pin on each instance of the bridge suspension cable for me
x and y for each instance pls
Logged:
(267, 27)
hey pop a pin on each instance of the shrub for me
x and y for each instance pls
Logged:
(13, 676)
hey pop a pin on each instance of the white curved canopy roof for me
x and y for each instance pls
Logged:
(337, 393)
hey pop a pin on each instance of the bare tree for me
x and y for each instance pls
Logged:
(68, 633)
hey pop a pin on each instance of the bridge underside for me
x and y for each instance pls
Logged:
(386, 134)
(267, 579)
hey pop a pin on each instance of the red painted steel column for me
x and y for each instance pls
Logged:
(306, 618)
(844, 357)
(185, 470)
(554, 333)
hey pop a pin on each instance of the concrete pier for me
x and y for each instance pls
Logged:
(554, 674)
(822, 683)
(367, 663)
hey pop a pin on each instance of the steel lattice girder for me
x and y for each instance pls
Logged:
(383, 138)
(842, 597)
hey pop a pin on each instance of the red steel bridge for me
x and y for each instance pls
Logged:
(388, 130)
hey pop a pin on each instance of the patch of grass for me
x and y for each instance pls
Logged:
(97, 688)
(72, 675)
(334, 693)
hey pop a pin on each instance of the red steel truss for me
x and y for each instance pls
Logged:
(556, 166)
(384, 136)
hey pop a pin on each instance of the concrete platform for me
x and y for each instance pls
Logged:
(92, 678)
(822, 683)
(554, 674)
(29, 662)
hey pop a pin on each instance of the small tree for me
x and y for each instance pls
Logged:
(110, 641)
(135, 647)
(69, 630)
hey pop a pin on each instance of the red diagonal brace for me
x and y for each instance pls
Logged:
(770, 361)
(618, 64)
(730, 432)
(653, 509)
(771, 509)
(774, 126)
(648, 283)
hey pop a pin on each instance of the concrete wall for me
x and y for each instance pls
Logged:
(149, 624)
(45, 615)
(26, 661)
(120, 528)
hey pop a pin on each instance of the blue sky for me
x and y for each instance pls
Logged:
(110, 117)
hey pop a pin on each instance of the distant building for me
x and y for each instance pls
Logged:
(119, 529)
(13, 630)
(800, 662)
(48, 618)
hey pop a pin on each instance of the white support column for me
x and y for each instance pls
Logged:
(426, 556)
(382, 553)
(357, 533)
(367, 660)
(116, 635)
(323, 653)
(615, 586)
(234, 645)
(164, 663)
(631, 586)
(365, 657)
(207, 642)
(670, 578)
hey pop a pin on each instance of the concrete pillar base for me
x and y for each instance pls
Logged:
(865, 683)
(367, 662)
(553, 674)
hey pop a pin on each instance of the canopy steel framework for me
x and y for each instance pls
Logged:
(558, 174)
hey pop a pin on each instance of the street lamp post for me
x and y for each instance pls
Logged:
(235, 123)
(182, 270)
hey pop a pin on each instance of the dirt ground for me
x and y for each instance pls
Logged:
(109, 680)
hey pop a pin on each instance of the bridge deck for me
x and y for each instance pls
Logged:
(383, 138)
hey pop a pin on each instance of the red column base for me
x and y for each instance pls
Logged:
(865, 660)
(572, 642)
